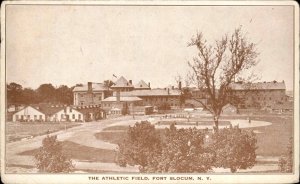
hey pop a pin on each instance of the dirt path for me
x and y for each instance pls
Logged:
(83, 134)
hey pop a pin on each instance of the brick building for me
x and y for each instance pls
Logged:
(258, 95)
(90, 94)
(156, 97)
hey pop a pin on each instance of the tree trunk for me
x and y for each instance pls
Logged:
(233, 170)
(216, 120)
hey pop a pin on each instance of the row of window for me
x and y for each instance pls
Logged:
(159, 99)
(62, 116)
(265, 98)
(35, 117)
(95, 95)
(115, 112)
(28, 117)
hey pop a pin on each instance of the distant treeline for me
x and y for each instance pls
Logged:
(45, 93)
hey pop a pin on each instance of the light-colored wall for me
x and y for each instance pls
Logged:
(29, 113)
(84, 98)
(72, 113)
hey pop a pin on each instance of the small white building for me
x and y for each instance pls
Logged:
(67, 114)
(229, 109)
(28, 113)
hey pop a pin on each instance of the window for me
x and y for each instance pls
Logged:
(70, 109)
(73, 116)
(100, 98)
(81, 95)
(79, 116)
(28, 116)
(62, 116)
(35, 116)
(81, 103)
(17, 117)
(41, 116)
(22, 117)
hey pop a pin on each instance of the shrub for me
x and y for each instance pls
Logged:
(50, 157)
(286, 161)
(183, 151)
(141, 143)
(234, 148)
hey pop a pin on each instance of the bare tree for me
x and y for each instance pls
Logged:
(218, 66)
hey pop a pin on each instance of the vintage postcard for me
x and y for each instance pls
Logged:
(149, 92)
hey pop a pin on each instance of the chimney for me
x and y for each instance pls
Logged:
(149, 85)
(90, 89)
(118, 96)
(179, 85)
(130, 82)
(168, 91)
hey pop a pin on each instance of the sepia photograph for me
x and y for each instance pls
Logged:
(149, 92)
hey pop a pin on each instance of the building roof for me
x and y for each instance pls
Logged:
(95, 87)
(259, 86)
(141, 85)
(152, 92)
(122, 99)
(122, 83)
(34, 107)
(49, 109)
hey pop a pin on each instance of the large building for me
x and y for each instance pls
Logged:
(258, 95)
(156, 97)
(90, 94)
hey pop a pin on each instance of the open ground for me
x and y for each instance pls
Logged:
(92, 145)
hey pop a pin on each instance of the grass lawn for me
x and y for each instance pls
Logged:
(82, 153)
(272, 141)
(112, 137)
(16, 131)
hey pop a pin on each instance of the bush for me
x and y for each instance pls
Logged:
(141, 143)
(234, 148)
(286, 161)
(179, 151)
(183, 151)
(50, 157)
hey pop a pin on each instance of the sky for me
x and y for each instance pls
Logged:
(77, 44)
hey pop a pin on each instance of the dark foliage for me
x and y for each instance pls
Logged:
(141, 144)
(50, 157)
(286, 160)
(234, 148)
(45, 93)
(186, 150)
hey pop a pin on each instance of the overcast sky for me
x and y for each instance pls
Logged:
(76, 44)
